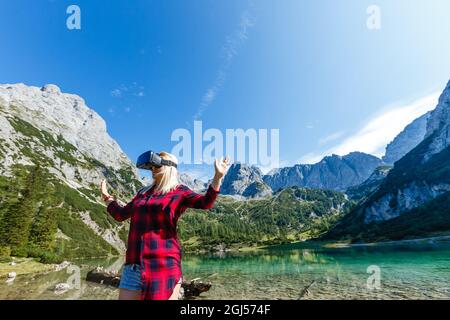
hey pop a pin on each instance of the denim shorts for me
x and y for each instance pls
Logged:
(131, 278)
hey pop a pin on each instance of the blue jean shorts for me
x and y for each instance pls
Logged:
(131, 278)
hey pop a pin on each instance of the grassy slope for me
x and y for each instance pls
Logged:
(67, 202)
(284, 217)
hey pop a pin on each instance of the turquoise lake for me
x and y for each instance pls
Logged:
(406, 271)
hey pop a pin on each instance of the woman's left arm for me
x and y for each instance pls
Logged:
(220, 169)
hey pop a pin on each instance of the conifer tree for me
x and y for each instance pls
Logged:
(17, 221)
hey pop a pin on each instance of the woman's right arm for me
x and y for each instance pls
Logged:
(118, 212)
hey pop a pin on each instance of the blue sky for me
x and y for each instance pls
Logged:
(311, 69)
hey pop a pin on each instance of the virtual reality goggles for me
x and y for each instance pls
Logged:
(150, 159)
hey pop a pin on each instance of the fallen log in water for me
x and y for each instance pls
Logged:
(306, 291)
(103, 277)
(191, 288)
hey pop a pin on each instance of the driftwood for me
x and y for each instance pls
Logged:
(108, 278)
(191, 288)
(306, 291)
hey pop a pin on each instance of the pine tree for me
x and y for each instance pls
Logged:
(44, 228)
(16, 222)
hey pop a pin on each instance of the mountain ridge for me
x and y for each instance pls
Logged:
(332, 172)
(407, 139)
(416, 181)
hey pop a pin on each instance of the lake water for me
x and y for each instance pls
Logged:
(411, 271)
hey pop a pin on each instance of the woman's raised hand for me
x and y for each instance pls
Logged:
(105, 195)
(221, 167)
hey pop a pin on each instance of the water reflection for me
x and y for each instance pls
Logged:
(407, 272)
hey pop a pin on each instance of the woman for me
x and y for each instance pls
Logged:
(153, 260)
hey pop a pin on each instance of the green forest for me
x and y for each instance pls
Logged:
(39, 217)
(35, 206)
(291, 214)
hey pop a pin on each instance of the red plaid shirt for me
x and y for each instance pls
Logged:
(152, 240)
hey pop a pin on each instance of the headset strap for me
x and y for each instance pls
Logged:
(168, 163)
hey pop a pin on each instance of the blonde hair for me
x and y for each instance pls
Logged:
(169, 175)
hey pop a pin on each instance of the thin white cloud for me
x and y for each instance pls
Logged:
(229, 51)
(116, 93)
(124, 91)
(330, 138)
(381, 129)
(311, 158)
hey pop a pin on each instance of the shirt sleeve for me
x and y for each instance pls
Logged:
(121, 213)
(194, 200)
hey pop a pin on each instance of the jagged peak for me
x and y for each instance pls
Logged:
(47, 108)
(51, 88)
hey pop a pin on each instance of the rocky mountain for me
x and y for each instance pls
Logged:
(183, 178)
(53, 138)
(407, 140)
(257, 189)
(64, 115)
(370, 185)
(332, 172)
(418, 184)
(245, 180)
(194, 184)
(290, 214)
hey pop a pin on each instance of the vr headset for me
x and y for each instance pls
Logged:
(150, 159)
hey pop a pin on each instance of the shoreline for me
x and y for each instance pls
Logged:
(425, 240)
(25, 266)
(230, 249)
